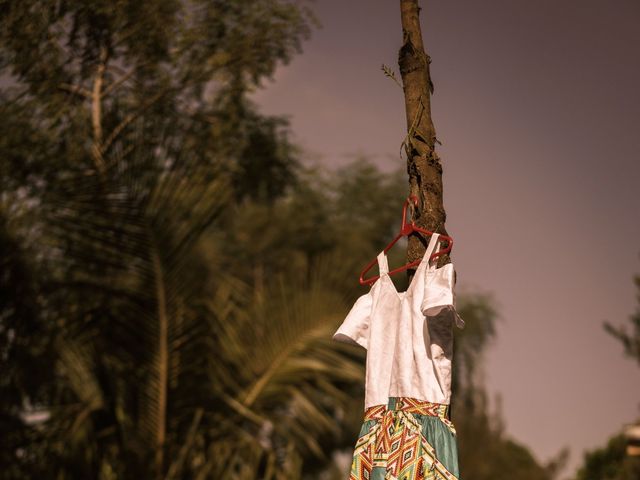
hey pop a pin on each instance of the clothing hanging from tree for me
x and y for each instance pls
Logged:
(406, 434)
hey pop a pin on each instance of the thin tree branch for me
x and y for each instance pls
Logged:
(96, 111)
(76, 90)
(176, 466)
(119, 82)
(131, 118)
(391, 74)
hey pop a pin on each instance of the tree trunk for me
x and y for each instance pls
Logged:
(423, 163)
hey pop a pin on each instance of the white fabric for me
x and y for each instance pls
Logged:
(408, 335)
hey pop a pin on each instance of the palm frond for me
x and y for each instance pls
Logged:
(131, 234)
(284, 370)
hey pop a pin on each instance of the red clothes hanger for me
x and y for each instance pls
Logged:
(406, 229)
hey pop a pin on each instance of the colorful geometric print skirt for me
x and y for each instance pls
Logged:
(407, 439)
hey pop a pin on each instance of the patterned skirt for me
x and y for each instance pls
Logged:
(407, 439)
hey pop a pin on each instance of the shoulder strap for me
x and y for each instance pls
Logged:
(431, 248)
(383, 265)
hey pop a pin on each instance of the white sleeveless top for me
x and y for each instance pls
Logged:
(408, 335)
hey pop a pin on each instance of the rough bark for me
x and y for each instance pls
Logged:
(423, 163)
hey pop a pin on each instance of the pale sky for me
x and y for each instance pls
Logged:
(538, 107)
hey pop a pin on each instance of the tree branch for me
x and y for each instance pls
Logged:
(96, 111)
(130, 118)
(119, 82)
(423, 163)
(75, 89)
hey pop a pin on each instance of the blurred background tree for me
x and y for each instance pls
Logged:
(629, 335)
(612, 461)
(486, 450)
(171, 273)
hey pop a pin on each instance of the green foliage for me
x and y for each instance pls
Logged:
(630, 339)
(125, 133)
(24, 349)
(255, 387)
(480, 317)
(156, 341)
(96, 77)
(171, 275)
(610, 463)
(486, 451)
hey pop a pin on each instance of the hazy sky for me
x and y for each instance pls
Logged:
(538, 107)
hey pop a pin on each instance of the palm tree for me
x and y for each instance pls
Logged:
(168, 367)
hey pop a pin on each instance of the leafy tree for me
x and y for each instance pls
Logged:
(24, 348)
(91, 78)
(630, 339)
(486, 451)
(171, 275)
(611, 462)
(126, 131)
(160, 355)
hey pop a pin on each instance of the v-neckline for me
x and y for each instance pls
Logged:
(401, 295)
